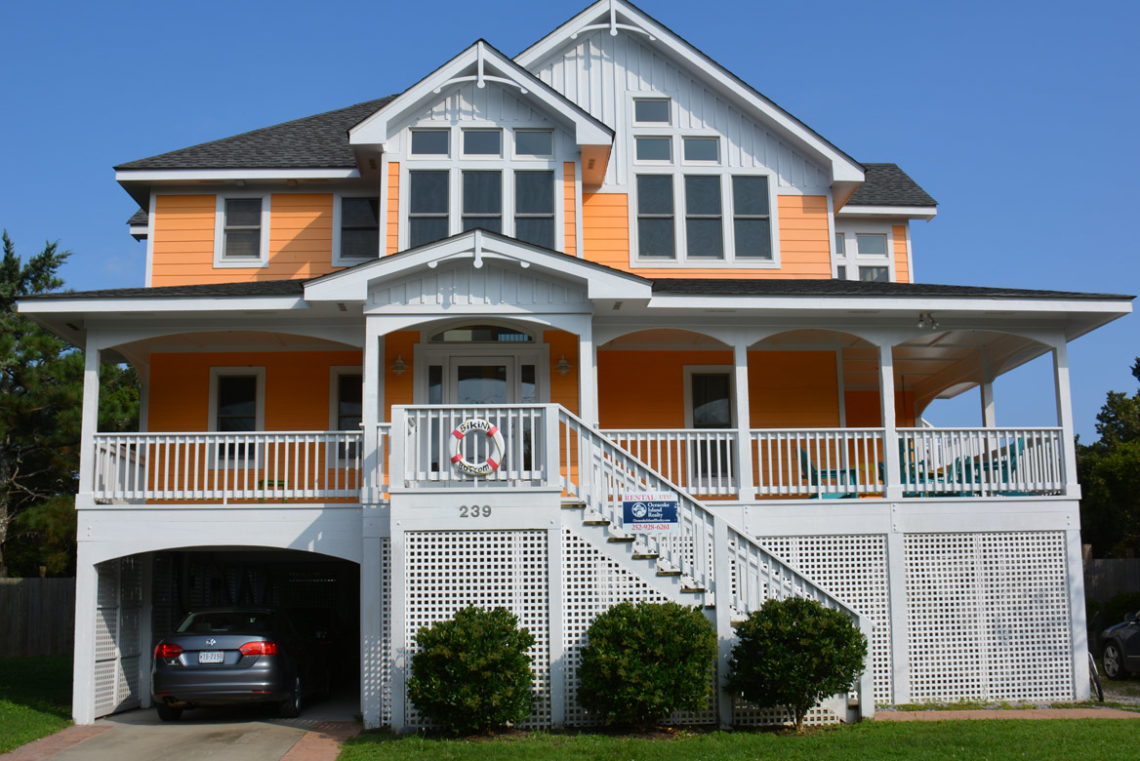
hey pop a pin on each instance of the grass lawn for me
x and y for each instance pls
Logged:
(997, 740)
(35, 698)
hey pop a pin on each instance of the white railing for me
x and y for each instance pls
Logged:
(254, 465)
(981, 461)
(381, 480)
(701, 461)
(429, 432)
(818, 462)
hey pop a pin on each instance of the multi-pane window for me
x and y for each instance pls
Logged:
(534, 208)
(655, 218)
(427, 206)
(241, 228)
(751, 217)
(875, 274)
(704, 222)
(863, 255)
(359, 228)
(348, 412)
(483, 200)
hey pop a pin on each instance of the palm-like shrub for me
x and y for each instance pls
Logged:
(794, 653)
(472, 672)
(644, 661)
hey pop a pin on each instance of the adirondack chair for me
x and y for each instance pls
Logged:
(814, 476)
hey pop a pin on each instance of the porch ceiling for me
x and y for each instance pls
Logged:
(232, 340)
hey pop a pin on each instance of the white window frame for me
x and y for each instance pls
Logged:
(339, 260)
(503, 137)
(695, 478)
(852, 259)
(335, 372)
(220, 260)
(457, 163)
(678, 168)
(259, 412)
(514, 134)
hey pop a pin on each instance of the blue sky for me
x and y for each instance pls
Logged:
(1019, 117)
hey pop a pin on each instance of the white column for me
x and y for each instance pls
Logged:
(900, 634)
(555, 617)
(587, 374)
(989, 410)
(89, 423)
(372, 409)
(372, 602)
(397, 618)
(890, 429)
(1078, 631)
(86, 593)
(146, 635)
(1065, 415)
(721, 616)
(745, 486)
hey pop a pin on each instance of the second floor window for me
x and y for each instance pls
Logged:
(359, 228)
(241, 228)
(863, 255)
(726, 218)
(428, 215)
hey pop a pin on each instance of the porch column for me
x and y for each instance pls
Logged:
(372, 594)
(1065, 415)
(372, 377)
(587, 373)
(745, 487)
(989, 410)
(86, 594)
(890, 429)
(89, 425)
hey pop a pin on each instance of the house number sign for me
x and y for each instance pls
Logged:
(477, 427)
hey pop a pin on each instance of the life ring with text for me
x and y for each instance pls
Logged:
(477, 426)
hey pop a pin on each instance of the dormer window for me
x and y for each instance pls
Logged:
(863, 253)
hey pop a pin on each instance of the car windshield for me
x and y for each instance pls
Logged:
(227, 621)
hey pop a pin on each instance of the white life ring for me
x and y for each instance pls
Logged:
(488, 429)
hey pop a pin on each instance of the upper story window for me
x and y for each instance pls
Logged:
(357, 228)
(431, 142)
(503, 180)
(863, 254)
(241, 235)
(688, 206)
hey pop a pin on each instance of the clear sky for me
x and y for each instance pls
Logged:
(1019, 117)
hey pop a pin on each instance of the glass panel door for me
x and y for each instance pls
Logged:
(711, 408)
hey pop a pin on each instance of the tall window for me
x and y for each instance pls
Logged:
(359, 228)
(483, 200)
(235, 406)
(655, 218)
(241, 229)
(427, 207)
(704, 222)
(534, 208)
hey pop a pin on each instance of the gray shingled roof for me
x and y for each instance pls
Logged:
(314, 142)
(139, 218)
(887, 185)
(670, 286)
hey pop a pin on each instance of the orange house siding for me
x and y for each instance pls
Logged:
(399, 389)
(902, 261)
(393, 207)
(805, 248)
(296, 388)
(793, 389)
(570, 228)
(646, 389)
(563, 388)
(300, 240)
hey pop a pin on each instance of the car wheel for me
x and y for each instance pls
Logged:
(290, 707)
(168, 713)
(1113, 660)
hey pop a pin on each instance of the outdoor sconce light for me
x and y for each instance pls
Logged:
(926, 320)
(399, 367)
(563, 366)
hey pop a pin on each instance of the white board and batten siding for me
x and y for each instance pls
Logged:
(493, 286)
(602, 74)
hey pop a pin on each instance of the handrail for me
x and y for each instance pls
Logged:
(702, 460)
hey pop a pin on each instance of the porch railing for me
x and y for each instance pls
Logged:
(818, 462)
(701, 461)
(981, 461)
(254, 465)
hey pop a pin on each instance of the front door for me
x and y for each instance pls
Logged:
(481, 380)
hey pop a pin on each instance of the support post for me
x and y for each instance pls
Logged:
(744, 483)
(1065, 416)
(1078, 631)
(86, 597)
(89, 425)
(587, 374)
(372, 378)
(989, 409)
(900, 636)
(722, 612)
(372, 655)
(894, 488)
(145, 633)
(556, 614)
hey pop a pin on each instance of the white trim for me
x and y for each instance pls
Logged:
(214, 304)
(843, 168)
(151, 204)
(910, 257)
(245, 370)
(344, 261)
(851, 256)
(911, 212)
(220, 260)
(450, 355)
(188, 175)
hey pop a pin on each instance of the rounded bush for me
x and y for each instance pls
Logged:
(644, 661)
(793, 653)
(472, 672)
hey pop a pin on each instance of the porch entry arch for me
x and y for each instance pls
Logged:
(481, 361)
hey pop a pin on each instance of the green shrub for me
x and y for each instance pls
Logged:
(644, 661)
(472, 672)
(794, 653)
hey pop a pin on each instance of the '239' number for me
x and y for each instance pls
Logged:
(474, 511)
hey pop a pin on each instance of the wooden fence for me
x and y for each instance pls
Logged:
(37, 616)
(1107, 578)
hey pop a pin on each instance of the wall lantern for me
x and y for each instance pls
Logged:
(563, 366)
(399, 367)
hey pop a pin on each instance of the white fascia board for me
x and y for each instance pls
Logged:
(352, 284)
(159, 304)
(192, 175)
(843, 167)
(937, 305)
(139, 232)
(376, 129)
(911, 212)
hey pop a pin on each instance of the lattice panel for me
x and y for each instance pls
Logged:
(854, 568)
(988, 616)
(449, 570)
(592, 584)
(377, 651)
(117, 615)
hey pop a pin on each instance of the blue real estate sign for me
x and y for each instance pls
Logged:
(650, 512)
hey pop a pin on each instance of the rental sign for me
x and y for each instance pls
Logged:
(650, 512)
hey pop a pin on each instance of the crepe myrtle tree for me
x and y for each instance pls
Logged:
(793, 653)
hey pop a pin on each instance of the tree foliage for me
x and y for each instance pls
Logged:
(472, 672)
(41, 394)
(645, 661)
(1109, 471)
(793, 653)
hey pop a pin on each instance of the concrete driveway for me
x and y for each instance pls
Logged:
(241, 734)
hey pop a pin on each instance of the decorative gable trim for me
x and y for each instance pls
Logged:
(619, 16)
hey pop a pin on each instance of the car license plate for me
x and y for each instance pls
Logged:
(211, 656)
